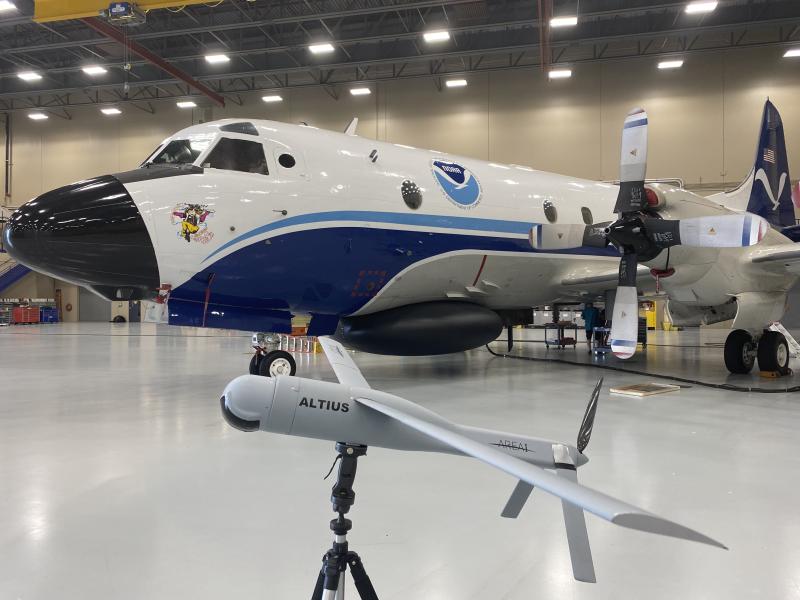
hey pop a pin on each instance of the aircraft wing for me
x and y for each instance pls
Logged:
(346, 370)
(597, 503)
(785, 257)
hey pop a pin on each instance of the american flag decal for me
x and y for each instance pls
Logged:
(769, 155)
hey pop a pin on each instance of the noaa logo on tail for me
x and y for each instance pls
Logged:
(458, 183)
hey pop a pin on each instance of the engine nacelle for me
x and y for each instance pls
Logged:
(685, 315)
(421, 329)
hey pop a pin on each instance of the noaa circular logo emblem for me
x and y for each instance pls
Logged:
(457, 182)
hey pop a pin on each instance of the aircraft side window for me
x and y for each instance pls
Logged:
(587, 215)
(287, 161)
(550, 211)
(238, 155)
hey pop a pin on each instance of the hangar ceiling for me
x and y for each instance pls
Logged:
(268, 44)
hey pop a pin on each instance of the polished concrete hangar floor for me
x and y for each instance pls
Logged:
(119, 480)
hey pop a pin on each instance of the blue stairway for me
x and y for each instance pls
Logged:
(10, 272)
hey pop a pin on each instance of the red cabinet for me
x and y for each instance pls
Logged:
(25, 314)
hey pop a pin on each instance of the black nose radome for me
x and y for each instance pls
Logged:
(89, 233)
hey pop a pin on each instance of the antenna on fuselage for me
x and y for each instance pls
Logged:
(351, 128)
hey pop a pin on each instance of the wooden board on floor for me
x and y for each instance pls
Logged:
(645, 389)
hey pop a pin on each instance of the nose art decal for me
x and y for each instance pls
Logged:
(190, 221)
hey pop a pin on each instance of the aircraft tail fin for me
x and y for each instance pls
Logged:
(767, 191)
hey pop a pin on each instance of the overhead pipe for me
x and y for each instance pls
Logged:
(7, 178)
(115, 34)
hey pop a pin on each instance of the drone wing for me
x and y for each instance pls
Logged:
(346, 370)
(597, 503)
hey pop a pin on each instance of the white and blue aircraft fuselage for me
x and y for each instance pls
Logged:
(244, 223)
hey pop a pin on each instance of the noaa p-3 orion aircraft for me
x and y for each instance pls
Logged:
(242, 224)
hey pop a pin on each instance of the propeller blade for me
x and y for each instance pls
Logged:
(723, 231)
(625, 321)
(580, 552)
(595, 235)
(633, 163)
(585, 431)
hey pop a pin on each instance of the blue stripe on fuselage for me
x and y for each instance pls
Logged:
(418, 220)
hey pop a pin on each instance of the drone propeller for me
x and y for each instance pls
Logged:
(639, 236)
(580, 552)
(585, 431)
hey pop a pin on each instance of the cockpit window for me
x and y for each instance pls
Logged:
(237, 155)
(177, 152)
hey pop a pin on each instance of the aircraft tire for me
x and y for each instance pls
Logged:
(773, 352)
(277, 362)
(254, 363)
(739, 352)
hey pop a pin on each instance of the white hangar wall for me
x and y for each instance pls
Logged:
(704, 120)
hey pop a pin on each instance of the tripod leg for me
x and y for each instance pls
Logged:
(327, 585)
(340, 590)
(360, 577)
(317, 595)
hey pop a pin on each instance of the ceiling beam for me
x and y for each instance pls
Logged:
(118, 36)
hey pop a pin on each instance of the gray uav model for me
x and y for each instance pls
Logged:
(351, 411)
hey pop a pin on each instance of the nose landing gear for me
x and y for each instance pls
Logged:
(267, 360)
(272, 364)
(742, 349)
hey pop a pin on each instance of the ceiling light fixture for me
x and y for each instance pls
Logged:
(560, 74)
(436, 36)
(94, 70)
(455, 83)
(185, 104)
(111, 111)
(37, 116)
(697, 8)
(321, 48)
(216, 59)
(360, 91)
(563, 21)
(670, 64)
(272, 98)
(792, 53)
(29, 76)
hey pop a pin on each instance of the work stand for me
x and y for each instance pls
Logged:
(330, 582)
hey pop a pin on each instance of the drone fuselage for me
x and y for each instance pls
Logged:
(331, 411)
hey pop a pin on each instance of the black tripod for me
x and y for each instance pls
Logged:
(330, 582)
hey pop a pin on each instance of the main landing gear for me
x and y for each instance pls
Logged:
(742, 349)
(272, 364)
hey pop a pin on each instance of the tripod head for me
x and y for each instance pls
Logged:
(342, 494)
